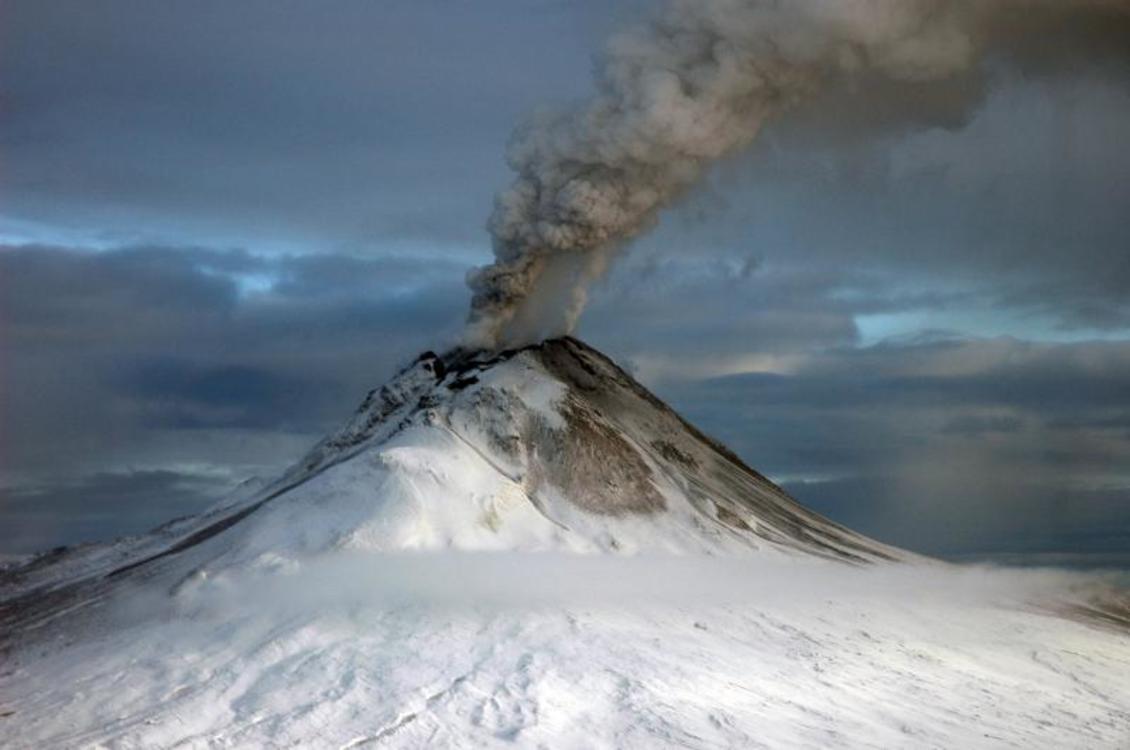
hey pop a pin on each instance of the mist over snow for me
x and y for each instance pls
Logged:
(530, 548)
(494, 649)
(489, 581)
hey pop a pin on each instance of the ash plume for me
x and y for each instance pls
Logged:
(688, 87)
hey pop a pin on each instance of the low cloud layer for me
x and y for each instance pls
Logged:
(487, 582)
(948, 447)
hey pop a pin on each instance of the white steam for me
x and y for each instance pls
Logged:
(686, 88)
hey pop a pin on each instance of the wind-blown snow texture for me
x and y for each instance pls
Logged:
(301, 613)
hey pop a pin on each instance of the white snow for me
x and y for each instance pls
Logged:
(458, 650)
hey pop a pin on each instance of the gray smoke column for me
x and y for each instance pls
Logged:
(675, 94)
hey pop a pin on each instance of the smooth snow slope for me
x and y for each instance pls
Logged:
(526, 650)
(414, 580)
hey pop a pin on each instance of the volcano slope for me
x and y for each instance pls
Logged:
(415, 579)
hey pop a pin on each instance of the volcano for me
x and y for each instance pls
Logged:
(548, 447)
(647, 588)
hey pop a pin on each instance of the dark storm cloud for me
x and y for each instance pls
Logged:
(1006, 373)
(335, 123)
(101, 347)
(973, 425)
(1029, 523)
(180, 394)
(731, 304)
(100, 506)
(953, 446)
(712, 308)
(142, 383)
(1101, 302)
(906, 394)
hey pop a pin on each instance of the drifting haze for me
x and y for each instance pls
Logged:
(498, 581)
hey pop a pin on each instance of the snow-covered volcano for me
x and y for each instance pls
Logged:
(549, 447)
(721, 612)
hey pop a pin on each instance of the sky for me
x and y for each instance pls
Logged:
(221, 223)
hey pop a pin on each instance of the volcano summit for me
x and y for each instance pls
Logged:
(645, 588)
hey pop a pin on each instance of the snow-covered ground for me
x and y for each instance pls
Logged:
(496, 650)
(531, 550)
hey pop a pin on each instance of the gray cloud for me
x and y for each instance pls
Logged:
(329, 126)
(158, 363)
(1019, 212)
(102, 349)
(946, 447)
(100, 506)
(1027, 522)
(355, 150)
(142, 383)
(921, 391)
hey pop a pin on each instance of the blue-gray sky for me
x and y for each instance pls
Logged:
(222, 222)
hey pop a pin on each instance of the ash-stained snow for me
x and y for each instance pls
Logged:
(529, 549)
